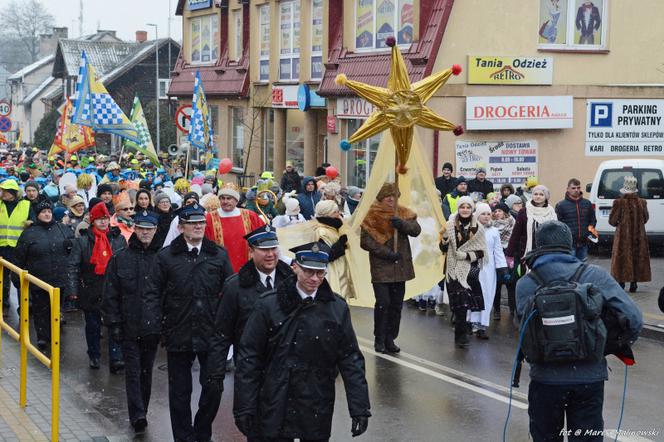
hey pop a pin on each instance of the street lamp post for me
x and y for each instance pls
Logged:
(156, 54)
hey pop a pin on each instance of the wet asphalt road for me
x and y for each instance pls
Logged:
(430, 392)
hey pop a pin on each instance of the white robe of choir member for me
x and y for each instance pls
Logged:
(496, 260)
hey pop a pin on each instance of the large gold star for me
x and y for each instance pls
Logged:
(401, 105)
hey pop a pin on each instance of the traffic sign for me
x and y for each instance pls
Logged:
(5, 108)
(5, 124)
(183, 118)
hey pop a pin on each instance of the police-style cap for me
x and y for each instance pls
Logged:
(264, 237)
(314, 255)
(146, 220)
(193, 213)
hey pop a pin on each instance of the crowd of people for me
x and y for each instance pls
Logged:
(194, 263)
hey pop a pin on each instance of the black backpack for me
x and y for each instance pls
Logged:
(567, 325)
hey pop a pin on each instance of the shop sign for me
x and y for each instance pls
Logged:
(284, 96)
(513, 112)
(199, 4)
(510, 70)
(353, 107)
(306, 98)
(624, 127)
(331, 124)
(506, 162)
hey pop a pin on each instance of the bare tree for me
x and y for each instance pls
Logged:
(253, 123)
(25, 20)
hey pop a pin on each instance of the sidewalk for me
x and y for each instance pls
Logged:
(78, 421)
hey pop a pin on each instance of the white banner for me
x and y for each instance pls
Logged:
(624, 127)
(501, 113)
(506, 162)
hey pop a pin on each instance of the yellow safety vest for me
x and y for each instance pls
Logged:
(12, 226)
(452, 201)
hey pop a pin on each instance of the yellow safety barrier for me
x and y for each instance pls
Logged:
(23, 338)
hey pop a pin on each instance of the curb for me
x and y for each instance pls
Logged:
(655, 332)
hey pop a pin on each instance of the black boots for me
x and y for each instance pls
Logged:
(633, 287)
(391, 347)
(461, 334)
(379, 345)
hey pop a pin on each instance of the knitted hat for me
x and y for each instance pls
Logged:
(543, 188)
(206, 188)
(43, 205)
(159, 197)
(502, 206)
(99, 211)
(388, 189)
(190, 195)
(76, 199)
(461, 179)
(512, 200)
(59, 213)
(292, 207)
(448, 166)
(352, 190)
(326, 208)
(630, 185)
(332, 188)
(481, 208)
(554, 234)
(250, 195)
(466, 200)
(102, 188)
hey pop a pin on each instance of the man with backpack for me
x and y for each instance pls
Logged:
(564, 305)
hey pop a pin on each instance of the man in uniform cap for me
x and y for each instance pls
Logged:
(261, 273)
(183, 296)
(122, 308)
(298, 339)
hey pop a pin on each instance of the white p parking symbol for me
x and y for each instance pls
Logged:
(601, 114)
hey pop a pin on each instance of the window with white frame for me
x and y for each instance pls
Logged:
(316, 39)
(237, 19)
(376, 20)
(289, 48)
(264, 41)
(576, 25)
(238, 136)
(164, 84)
(204, 39)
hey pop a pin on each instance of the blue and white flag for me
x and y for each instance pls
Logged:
(94, 107)
(201, 135)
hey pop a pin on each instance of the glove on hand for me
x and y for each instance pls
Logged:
(245, 424)
(394, 256)
(359, 425)
(396, 222)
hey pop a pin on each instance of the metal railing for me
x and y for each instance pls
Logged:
(23, 338)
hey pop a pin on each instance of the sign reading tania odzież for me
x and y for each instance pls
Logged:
(624, 127)
(509, 70)
(199, 4)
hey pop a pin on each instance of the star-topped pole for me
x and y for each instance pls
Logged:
(401, 105)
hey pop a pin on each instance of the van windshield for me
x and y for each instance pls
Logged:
(650, 183)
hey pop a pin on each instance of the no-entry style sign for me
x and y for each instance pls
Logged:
(5, 124)
(5, 108)
(183, 118)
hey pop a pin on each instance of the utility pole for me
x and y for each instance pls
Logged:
(156, 55)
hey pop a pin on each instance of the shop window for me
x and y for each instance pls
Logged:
(375, 20)
(204, 39)
(572, 25)
(238, 136)
(360, 158)
(268, 140)
(264, 41)
(289, 50)
(237, 19)
(316, 39)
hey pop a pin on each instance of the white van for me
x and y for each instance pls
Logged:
(606, 188)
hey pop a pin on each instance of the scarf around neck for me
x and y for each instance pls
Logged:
(101, 252)
(536, 216)
(459, 269)
(377, 222)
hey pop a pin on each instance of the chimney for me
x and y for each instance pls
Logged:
(141, 36)
(48, 42)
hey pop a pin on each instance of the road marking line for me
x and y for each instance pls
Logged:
(515, 402)
(456, 373)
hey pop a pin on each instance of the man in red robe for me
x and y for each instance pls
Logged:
(228, 225)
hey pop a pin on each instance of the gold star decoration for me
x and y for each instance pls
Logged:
(401, 105)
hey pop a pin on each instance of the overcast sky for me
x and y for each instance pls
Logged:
(123, 16)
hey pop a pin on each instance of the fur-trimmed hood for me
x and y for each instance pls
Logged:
(289, 298)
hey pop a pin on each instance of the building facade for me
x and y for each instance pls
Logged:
(539, 85)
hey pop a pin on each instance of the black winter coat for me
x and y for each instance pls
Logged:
(125, 285)
(445, 186)
(578, 215)
(83, 282)
(241, 291)
(42, 249)
(291, 181)
(165, 220)
(184, 291)
(485, 187)
(289, 357)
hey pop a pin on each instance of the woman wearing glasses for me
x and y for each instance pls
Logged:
(123, 218)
